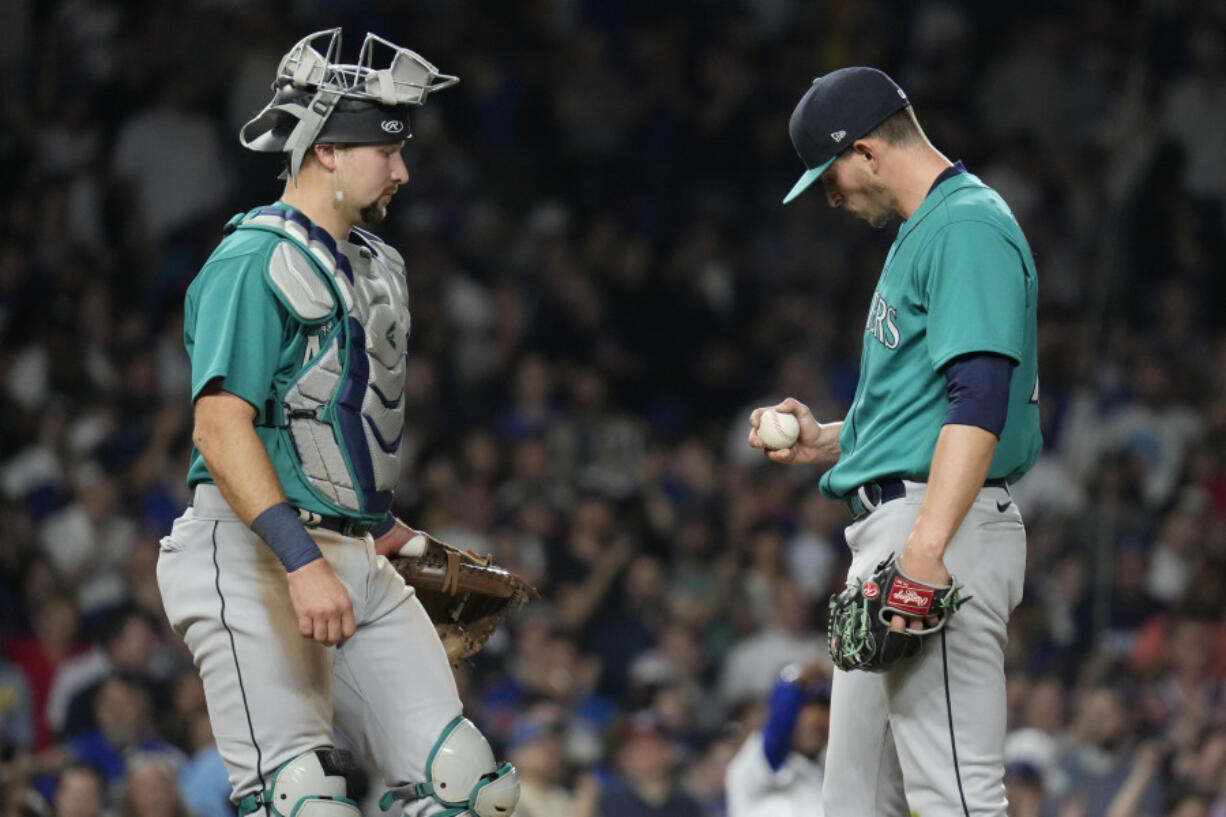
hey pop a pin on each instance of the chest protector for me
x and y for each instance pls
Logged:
(343, 412)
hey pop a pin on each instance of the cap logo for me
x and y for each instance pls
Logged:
(392, 125)
(838, 135)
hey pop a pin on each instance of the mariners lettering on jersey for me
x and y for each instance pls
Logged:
(881, 322)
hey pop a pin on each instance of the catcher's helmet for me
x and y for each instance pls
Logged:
(317, 99)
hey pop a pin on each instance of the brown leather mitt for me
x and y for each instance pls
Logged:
(466, 596)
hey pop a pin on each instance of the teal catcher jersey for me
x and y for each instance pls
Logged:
(958, 279)
(315, 340)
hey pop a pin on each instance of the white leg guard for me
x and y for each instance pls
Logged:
(462, 775)
(319, 783)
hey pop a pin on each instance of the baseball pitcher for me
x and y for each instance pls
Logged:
(297, 327)
(944, 418)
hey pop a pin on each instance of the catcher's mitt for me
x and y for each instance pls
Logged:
(465, 595)
(858, 632)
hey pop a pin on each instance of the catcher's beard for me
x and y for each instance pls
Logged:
(372, 214)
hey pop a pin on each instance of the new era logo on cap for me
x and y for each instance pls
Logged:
(838, 135)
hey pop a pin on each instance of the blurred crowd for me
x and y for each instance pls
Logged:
(603, 284)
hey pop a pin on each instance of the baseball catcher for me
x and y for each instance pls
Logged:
(859, 632)
(298, 330)
(466, 596)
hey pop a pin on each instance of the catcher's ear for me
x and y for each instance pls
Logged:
(325, 153)
(414, 547)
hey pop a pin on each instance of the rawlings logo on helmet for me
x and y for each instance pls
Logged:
(392, 125)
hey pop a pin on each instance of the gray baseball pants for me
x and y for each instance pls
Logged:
(927, 737)
(273, 694)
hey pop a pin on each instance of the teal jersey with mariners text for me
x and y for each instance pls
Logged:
(959, 279)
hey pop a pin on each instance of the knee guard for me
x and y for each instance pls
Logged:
(463, 777)
(319, 783)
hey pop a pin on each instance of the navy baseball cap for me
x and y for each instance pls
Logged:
(838, 109)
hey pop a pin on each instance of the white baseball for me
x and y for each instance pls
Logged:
(777, 430)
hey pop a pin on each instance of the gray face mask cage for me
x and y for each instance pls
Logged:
(407, 80)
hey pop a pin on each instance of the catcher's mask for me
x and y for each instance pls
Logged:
(319, 100)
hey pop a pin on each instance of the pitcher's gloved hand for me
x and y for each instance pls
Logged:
(858, 632)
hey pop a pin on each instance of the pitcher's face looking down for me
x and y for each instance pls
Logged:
(852, 184)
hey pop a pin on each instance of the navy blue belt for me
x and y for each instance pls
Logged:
(341, 524)
(869, 496)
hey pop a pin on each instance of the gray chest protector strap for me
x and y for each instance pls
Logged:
(343, 413)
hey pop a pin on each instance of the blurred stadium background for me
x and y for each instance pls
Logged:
(603, 283)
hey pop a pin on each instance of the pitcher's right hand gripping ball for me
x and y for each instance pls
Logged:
(777, 430)
(858, 632)
(465, 595)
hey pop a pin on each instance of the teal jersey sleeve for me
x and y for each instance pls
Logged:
(973, 284)
(235, 327)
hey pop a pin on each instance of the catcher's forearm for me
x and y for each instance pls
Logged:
(959, 467)
(235, 457)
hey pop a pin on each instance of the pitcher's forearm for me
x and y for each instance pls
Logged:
(959, 467)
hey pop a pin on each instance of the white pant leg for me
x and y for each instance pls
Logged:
(268, 689)
(948, 709)
(863, 775)
(393, 687)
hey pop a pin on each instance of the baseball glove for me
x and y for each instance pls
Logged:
(858, 632)
(466, 596)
